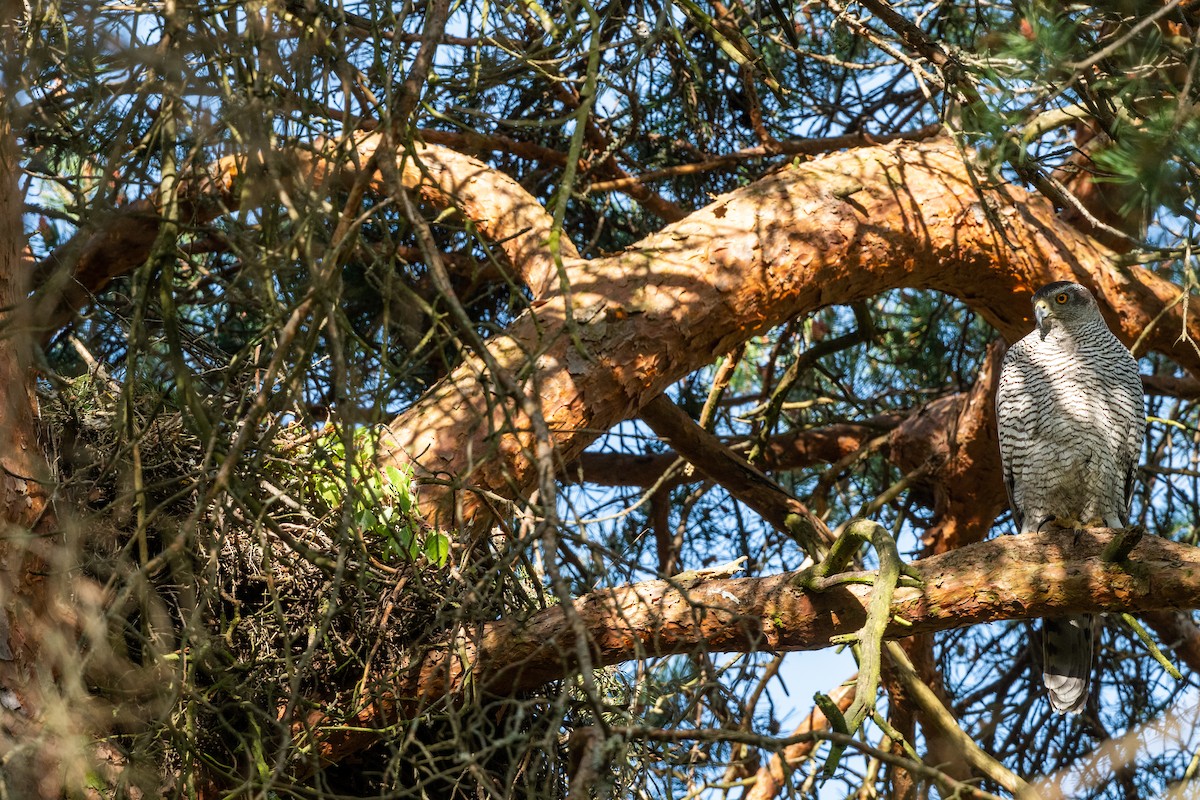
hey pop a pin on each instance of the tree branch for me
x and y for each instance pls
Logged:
(499, 207)
(937, 715)
(788, 451)
(789, 147)
(1011, 577)
(784, 246)
(772, 776)
(955, 438)
(740, 478)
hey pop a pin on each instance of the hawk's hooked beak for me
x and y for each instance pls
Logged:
(1041, 310)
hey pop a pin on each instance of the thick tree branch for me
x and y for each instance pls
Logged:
(835, 230)
(1011, 577)
(499, 207)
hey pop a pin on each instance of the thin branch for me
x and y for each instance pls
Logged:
(936, 714)
(789, 451)
(771, 777)
(742, 480)
(957, 788)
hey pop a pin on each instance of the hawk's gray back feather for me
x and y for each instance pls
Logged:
(1071, 422)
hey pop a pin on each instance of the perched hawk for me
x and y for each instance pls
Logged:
(1071, 422)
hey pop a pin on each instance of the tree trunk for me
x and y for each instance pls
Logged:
(31, 613)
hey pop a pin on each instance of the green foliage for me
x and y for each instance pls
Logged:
(1151, 158)
(380, 503)
(1128, 84)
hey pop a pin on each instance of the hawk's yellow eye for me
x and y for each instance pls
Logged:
(1060, 298)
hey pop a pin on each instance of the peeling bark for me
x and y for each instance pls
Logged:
(834, 230)
(837, 229)
(1012, 577)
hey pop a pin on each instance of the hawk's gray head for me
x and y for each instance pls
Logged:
(1064, 303)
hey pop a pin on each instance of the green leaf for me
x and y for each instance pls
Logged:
(437, 548)
(397, 478)
(366, 520)
(330, 494)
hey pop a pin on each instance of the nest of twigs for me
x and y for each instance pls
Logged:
(270, 596)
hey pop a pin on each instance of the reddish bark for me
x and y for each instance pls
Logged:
(840, 228)
(835, 230)
(30, 609)
(774, 775)
(500, 208)
(955, 438)
(1011, 577)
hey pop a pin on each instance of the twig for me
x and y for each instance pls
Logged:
(769, 410)
(936, 714)
(1144, 635)
(957, 788)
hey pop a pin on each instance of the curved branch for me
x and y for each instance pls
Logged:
(499, 207)
(835, 230)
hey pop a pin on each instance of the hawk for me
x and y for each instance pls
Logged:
(1071, 420)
